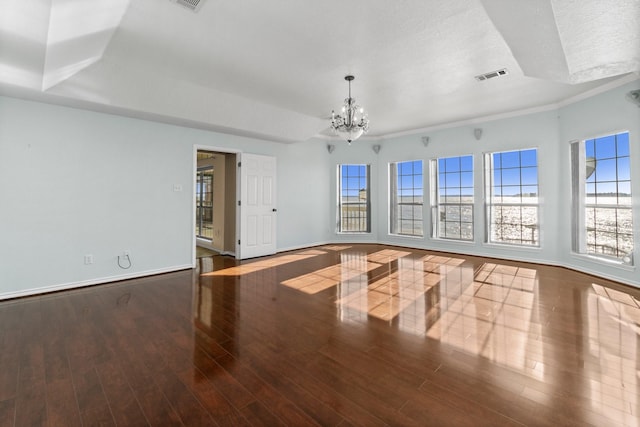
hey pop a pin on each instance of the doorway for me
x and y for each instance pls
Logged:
(215, 201)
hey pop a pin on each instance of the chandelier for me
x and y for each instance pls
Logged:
(353, 121)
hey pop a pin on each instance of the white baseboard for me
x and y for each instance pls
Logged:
(91, 282)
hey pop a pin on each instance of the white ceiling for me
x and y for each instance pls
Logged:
(274, 69)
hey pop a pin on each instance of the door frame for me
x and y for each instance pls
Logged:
(194, 171)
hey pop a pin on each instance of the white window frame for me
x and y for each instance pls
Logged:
(396, 204)
(436, 204)
(581, 203)
(491, 201)
(364, 200)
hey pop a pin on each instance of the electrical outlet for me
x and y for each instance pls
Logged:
(88, 259)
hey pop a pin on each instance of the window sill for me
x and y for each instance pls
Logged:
(512, 247)
(406, 236)
(454, 241)
(603, 261)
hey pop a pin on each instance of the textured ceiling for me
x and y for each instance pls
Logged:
(274, 69)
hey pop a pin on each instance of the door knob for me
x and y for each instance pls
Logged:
(274, 210)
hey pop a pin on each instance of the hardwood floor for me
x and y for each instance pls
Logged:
(337, 335)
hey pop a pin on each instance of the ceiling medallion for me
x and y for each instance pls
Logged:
(353, 121)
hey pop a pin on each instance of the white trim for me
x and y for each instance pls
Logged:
(511, 246)
(474, 121)
(510, 114)
(454, 241)
(606, 262)
(407, 236)
(598, 90)
(91, 282)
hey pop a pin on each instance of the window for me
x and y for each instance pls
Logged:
(601, 175)
(354, 208)
(204, 203)
(512, 187)
(452, 197)
(406, 198)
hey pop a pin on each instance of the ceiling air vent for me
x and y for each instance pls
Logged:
(492, 74)
(193, 5)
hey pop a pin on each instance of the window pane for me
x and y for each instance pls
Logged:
(529, 191)
(466, 231)
(624, 170)
(512, 192)
(511, 176)
(497, 160)
(466, 179)
(606, 192)
(606, 170)
(466, 194)
(466, 163)
(453, 180)
(529, 175)
(497, 177)
(466, 213)
(622, 141)
(452, 164)
(605, 147)
(624, 193)
(453, 230)
(452, 213)
(590, 148)
(510, 160)
(529, 158)
(417, 167)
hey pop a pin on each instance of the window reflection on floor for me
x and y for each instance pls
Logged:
(613, 335)
(351, 266)
(263, 264)
(492, 316)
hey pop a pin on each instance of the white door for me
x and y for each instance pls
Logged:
(257, 206)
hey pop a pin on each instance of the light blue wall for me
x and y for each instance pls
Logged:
(75, 182)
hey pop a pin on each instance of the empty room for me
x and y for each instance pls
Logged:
(332, 213)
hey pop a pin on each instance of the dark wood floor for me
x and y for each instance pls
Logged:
(334, 336)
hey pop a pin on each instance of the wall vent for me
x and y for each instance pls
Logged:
(492, 74)
(193, 5)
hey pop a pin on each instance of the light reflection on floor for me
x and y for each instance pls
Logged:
(351, 266)
(252, 267)
(492, 317)
(392, 294)
(613, 332)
